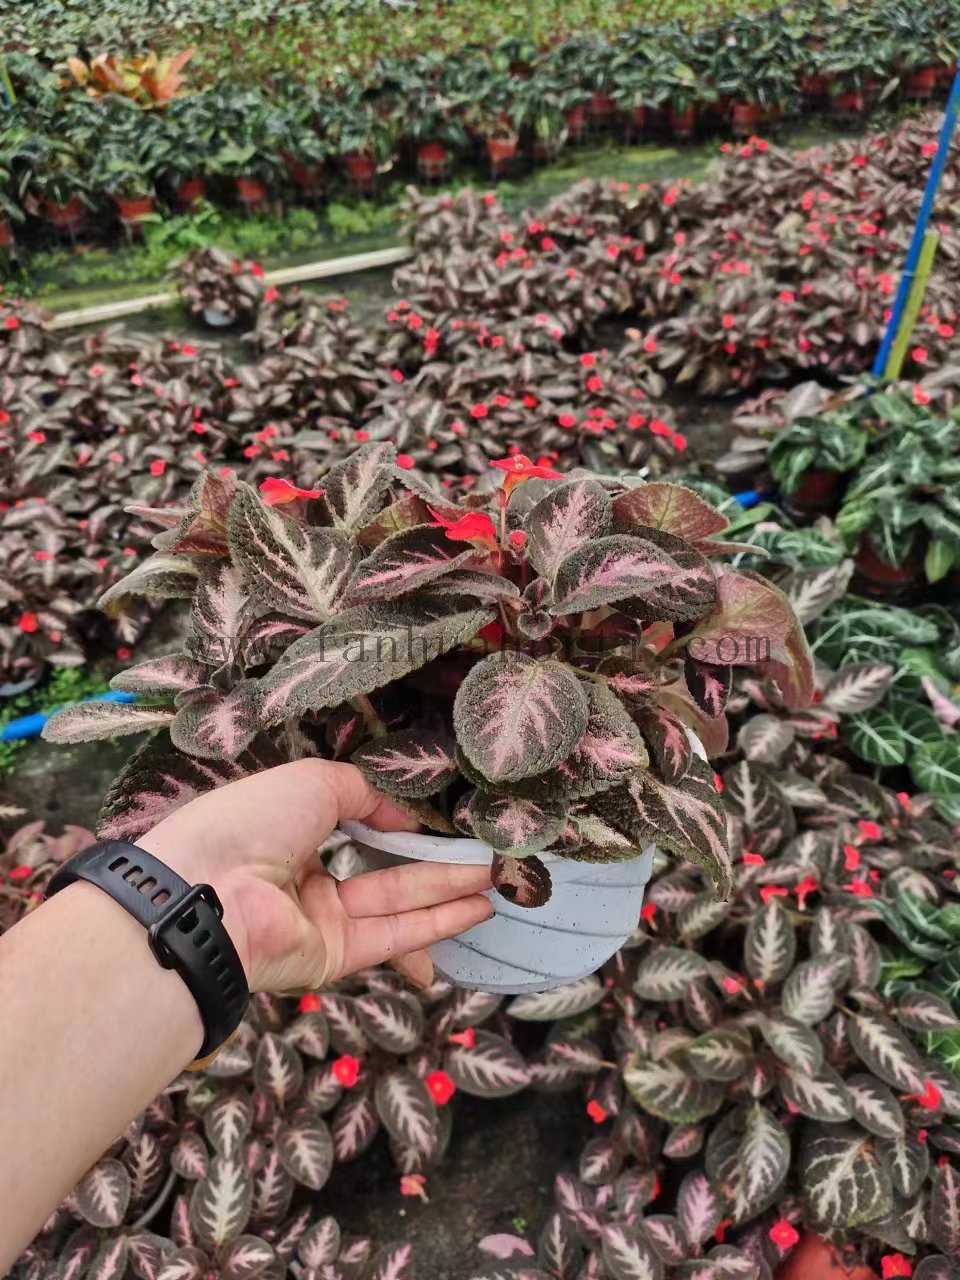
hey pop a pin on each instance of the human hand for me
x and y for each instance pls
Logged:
(295, 927)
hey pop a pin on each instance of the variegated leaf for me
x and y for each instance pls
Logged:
(685, 596)
(558, 1002)
(935, 1267)
(489, 1068)
(110, 1261)
(944, 1219)
(90, 721)
(709, 686)
(626, 1254)
(908, 1160)
(666, 973)
(885, 1050)
(356, 488)
(845, 1183)
(148, 1253)
(273, 1188)
(75, 1254)
(634, 682)
(821, 1097)
(299, 570)
(523, 881)
(700, 916)
(662, 1233)
(875, 1106)
(669, 507)
(924, 1011)
(355, 1125)
(564, 520)
(607, 570)
(558, 1250)
(145, 1162)
(764, 739)
(392, 1263)
(188, 1263)
(760, 1167)
(219, 615)
(668, 740)
(264, 640)
(683, 1141)
(309, 1033)
(670, 1093)
(609, 751)
(688, 819)
(363, 650)
(600, 1161)
(227, 1121)
(596, 839)
(749, 789)
(514, 826)
(103, 1195)
(793, 1043)
(218, 726)
(409, 762)
(161, 678)
(306, 1150)
(771, 944)
(390, 1021)
(810, 990)
(699, 1208)
(516, 717)
(277, 1069)
(722, 1054)
(857, 687)
(246, 1258)
(220, 1202)
(404, 563)
(319, 1243)
(407, 1110)
(164, 577)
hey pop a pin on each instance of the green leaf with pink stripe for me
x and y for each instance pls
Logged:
(564, 520)
(218, 726)
(410, 762)
(668, 741)
(512, 825)
(688, 819)
(606, 570)
(403, 563)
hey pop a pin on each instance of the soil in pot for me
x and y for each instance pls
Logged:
(817, 494)
(875, 577)
(501, 152)
(361, 170)
(814, 1259)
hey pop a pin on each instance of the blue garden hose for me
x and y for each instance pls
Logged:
(32, 726)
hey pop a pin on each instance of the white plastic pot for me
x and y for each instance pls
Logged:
(593, 910)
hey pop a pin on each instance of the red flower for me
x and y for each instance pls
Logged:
(805, 887)
(679, 441)
(859, 889)
(868, 228)
(803, 344)
(123, 653)
(530, 402)
(520, 468)
(904, 800)
(276, 492)
(928, 148)
(588, 360)
(188, 350)
(11, 322)
(650, 345)
(501, 401)
(256, 270)
(346, 1070)
(404, 461)
(919, 354)
(476, 527)
(729, 321)
(548, 243)
(467, 1038)
(38, 437)
(4, 417)
(594, 383)
(636, 421)
(413, 1184)
(931, 1097)
(157, 467)
(441, 1087)
(869, 830)
(28, 623)
(648, 912)
(479, 410)
(596, 1113)
(920, 396)
(310, 1003)
(772, 891)
(851, 857)
(362, 435)
(783, 1235)
(721, 1232)
(946, 330)
(567, 420)
(788, 296)
(731, 986)
(396, 375)
(518, 539)
(753, 859)
(21, 873)
(895, 1264)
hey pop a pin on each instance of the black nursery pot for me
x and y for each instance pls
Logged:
(818, 494)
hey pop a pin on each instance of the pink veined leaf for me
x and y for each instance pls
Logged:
(606, 570)
(670, 507)
(355, 1125)
(220, 1202)
(516, 717)
(187, 1263)
(404, 563)
(273, 1188)
(319, 1243)
(189, 1158)
(148, 1253)
(689, 819)
(298, 570)
(512, 824)
(503, 1245)
(564, 520)
(689, 594)
(110, 1262)
(90, 721)
(698, 1207)
(356, 488)
(489, 1068)
(610, 749)
(227, 1122)
(710, 686)
(407, 763)
(269, 636)
(306, 1150)
(246, 1258)
(220, 605)
(278, 1069)
(218, 727)
(407, 1110)
(668, 740)
(633, 682)
(392, 1022)
(164, 577)
(104, 1194)
(161, 677)
(393, 1263)
(626, 1253)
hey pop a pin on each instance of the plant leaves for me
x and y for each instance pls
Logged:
(277, 1069)
(606, 570)
(709, 686)
(810, 990)
(526, 882)
(563, 521)
(306, 1150)
(489, 1068)
(699, 1208)
(512, 825)
(103, 1194)
(218, 727)
(688, 819)
(886, 1051)
(875, 1106)
(404, 563)
(668, 740)
(771, 944)
(356, 488)
(409, 762)
(220, 1202)
(626, 1254)
(671, 508)
(844, 1181)
(665, 974)
(407, 1111)
(90, 721)
(558, 1002)
(670, 1093)
(390, 1021)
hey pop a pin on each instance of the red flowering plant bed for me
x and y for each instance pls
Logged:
(606, 618)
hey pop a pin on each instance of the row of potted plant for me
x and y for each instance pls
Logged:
(64, 148)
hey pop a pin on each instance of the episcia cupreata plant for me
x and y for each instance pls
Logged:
(519, 665)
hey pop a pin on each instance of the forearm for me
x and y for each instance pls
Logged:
(94, 1028)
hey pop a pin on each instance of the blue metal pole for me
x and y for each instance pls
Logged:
(32, 726)
(923, 221)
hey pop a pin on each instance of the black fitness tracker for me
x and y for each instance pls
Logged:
(183, 924)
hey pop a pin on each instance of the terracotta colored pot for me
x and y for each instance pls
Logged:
(6, 234)
(746, 119)
(921, 83)
(134, 208)
(361, 169)
(251, 190)
(818, 493)
(815, 86)
(576, 119)
(683, 123)
(65, 217)
(433, 160)
(945, 75)
(878, 578)
(602, 106)
(814, 1259)
(849, 104)
(501, 149)
(308, 177)
(191, 192)
(638, 119)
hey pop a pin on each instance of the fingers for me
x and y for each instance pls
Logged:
(416, 968)
(373, 939)
(410, 887)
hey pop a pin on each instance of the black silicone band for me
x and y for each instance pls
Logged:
(183, 924)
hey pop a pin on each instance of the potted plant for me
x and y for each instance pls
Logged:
(125, 162)
(809, 459)
(495, 115)
(189, 132)
(534, 658)
(10, 209)
(247, 144)
(56, 178)
(427, 114)
(217, 287)
(364, 137)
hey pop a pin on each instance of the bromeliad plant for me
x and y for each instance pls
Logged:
(358, 622)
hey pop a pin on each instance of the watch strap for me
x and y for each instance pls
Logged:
(184, 927)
